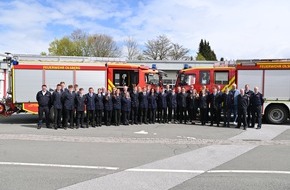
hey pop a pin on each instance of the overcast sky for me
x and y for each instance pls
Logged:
(236, 29)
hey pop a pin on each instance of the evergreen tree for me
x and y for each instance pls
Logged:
(206, 51)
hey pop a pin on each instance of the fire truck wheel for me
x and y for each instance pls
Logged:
(276, 114)
(51, 113)
(2, 108)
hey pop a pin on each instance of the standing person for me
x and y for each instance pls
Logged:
(182, 106)
(134, 106)
(76, 91)
(178, 109)
(143, 101)
(249, 110)
(243, 102)
(257, 102)
(203, 88)
(126, 108)
(108, 108)
(163, 99)
(80, 102)
(117, 107)
(68, 98)
(57, 106)
(172, 106)
(91, 107)
(235, 92)
(215, 100)
(203, 99)
(43, 98)
(152, 105)
(99, 107)
(63, 89)
(227, 98)
(192, 105)
(159, 104)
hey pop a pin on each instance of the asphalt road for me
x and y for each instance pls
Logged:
(160, 156)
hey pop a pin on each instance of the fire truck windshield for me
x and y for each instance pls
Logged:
(187, 79)
(152, 78)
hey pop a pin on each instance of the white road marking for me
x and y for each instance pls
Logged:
(59, 166)
(141, 132)
(249, 171)
(146, 170)
(164, 170)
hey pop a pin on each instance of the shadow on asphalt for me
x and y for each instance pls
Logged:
(19, 119)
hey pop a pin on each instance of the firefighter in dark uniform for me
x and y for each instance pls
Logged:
(192, 105)
(43, 98)
(182, 106)
(227, 103)
(57, 106)
(257, 102)
(126, 108)
(91, 107)
(108, 108)
(117, 107)
(215, 101)
(68, 99)
(249, 110)
(163, 103)
(243, 103)
(159, 104)
(172, 105)
(80, 108)
(203, 104)
(178, 109)
(152, 105)
(143, 101)
(134, 106)
(99, 107)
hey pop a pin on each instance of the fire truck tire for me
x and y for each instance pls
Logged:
(51, 114)
(276, 114)
(2, 108)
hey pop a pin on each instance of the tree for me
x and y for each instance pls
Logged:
(64, 47)
(102, 45)
(81, 44)
(43, 53)
(132, 48)
(206, 51)
(177, 52)
(158, 48)
(79, 38)
(199, 57)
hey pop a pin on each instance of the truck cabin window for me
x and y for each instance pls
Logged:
(152, 78)
(221, 77)
(204, 77)
(187, 79)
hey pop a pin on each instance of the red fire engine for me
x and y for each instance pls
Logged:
(272, 77)
(20, 82)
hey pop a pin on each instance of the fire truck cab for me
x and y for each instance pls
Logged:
(205, 76)
(21, 79)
